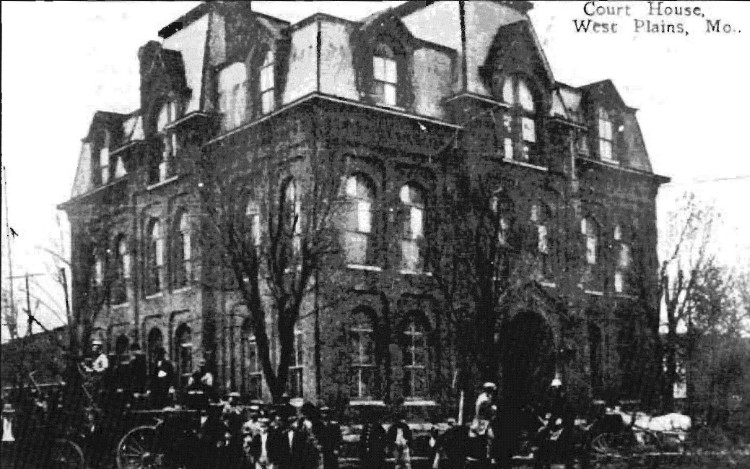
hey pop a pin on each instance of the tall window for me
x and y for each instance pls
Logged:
(358, 234)
(267, 97)
(104, 157)
(184, 353)
(233, 95)
(363, 370)
(412, 200)
(154, 258)
(252, 214)
(384, 75)
(99, 269)
(252, 370)
(605, 135)
(122, 271)
(590, 231)
(182, 251)
(623, 260)
(168, 141)
(415, 360)
(292, 212)
(520, 120)
(540, 217)
(296, 368)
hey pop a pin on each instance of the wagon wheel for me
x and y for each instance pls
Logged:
(137, 450)
(66, 454)
(606, 444)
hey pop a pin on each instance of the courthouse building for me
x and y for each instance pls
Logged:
(412, 98)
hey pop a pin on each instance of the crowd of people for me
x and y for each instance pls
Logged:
(282, 436)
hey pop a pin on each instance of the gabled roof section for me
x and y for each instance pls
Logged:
(507, 38)
(106, 119)
(607, 90)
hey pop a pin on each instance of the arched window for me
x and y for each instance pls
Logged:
(590, 230)
(520, 121)
(540, 217)
(502, 211)
(251, 367)
(154, 258)
(155, 344)
(267, 95)
(297, 367)
(104, 157)
(182, 251)
(416, 360)
(623, 259)
(412, 233)
(606, 137)
(362, 352)
(233, 95)
(184, 353)
(358, 235)
(252, 216)
(122, 271)
(385, 75)
(99, 269)
(292, 216)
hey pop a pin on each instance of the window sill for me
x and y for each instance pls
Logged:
(124, 304)
(593, 292)
(184, 289)
(420, 403)
(369, 268)
(612, 162)
(624, 295)
(365, 402)
(525, 165)
(154, 295)
(162, 183)
(415, 272)
(548, 284)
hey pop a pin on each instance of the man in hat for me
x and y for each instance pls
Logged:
(162, 379)
(331, 439)
(289, 447)
(100, 363)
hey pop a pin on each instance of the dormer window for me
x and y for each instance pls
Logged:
(385, 76)
(232, 95)
(520, 123)
(605, 135)
(267, 97)
(104, 157)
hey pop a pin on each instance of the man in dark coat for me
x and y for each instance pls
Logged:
(162, 378)
(138, 370)
(289, 448)
(372, 442)
(331, 439)
(454, 445)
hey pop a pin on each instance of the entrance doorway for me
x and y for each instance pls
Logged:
(527, 358)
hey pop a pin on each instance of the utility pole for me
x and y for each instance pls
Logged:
(30, 323)
(10, 261)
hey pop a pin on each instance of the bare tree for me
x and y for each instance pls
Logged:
(271, 230)
(686, 257)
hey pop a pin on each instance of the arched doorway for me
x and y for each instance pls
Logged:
(527, 358)
(155, 343)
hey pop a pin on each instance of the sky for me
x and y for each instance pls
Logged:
(62, 61)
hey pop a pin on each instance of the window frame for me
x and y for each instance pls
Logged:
(251, 370)
(382, 79)
(359, 225)
(154, 259)
(182, 250)
(184, 353)
(119, 288)
(360, 365)
(267, 83)
(409, 239)
(295, 380)
(415, 328)
(521, 117)
(605, 125)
